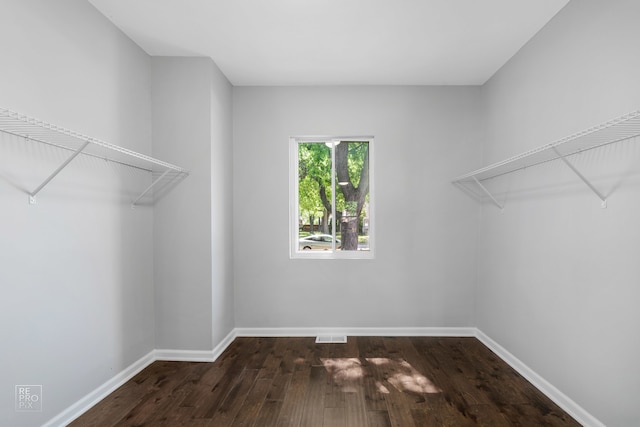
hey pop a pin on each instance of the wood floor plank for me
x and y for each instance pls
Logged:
(206, 401)
(489, 415)
(380, 419)
(367, 382)
(356, 409)
(279, 386)
(453, 413)
(292, 408)
(269, 413)
(373, 390)
(170, 410)
(253, 403)
(313, 403)
(334, 394)
(334, 417)
(160, 395)
(448, 373)
(531, 415)
(233, 403)
(399, 411)
(261, 352)
(271, 366)
(116, 406)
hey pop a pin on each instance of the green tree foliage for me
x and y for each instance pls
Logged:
(314, 181)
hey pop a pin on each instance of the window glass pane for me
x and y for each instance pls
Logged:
(352, 196)
(314, 196)
(332, 216)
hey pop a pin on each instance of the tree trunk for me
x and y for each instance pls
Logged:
(349, 233)
(325, 222)
(354, 197)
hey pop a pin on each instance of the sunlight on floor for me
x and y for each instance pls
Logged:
(347, 372)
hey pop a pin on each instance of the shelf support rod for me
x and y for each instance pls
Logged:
(133, 205)
(32, 195)
(582, 177)
(487, 193)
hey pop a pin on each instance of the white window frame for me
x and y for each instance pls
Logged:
(295, 252)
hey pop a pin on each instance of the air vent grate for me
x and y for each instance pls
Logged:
(326, 339)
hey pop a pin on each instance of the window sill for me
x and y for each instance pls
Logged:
(332, 255)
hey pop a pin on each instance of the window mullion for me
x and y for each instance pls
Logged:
(333, 195)
(294, 212)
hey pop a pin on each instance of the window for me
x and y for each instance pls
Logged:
(331, 197)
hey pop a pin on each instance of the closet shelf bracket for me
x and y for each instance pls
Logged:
(484, 189)
(32, 195)
(602, 198)
(157, 180)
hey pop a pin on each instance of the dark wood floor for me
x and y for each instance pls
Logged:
(369, 382)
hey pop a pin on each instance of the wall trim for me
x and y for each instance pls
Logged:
(196, 355)
(184, 355)
(561, 399)
(87, 402)
(222, 346)
(357, 331)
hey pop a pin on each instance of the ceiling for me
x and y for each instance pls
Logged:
(337, 42)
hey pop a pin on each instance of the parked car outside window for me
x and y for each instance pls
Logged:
(318, 242)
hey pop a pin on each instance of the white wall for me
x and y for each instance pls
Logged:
(193, 245)
(77, 302)
(424, 273)
(558, 280)
(222, 280)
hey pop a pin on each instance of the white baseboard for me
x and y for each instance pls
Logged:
(196, 355)
(356, 331)
(184, 355)
(545, 387)
(222, 346)
(87, 402)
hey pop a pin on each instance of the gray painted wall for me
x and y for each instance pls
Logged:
(193, 271)
(222, 283)
(424, 273)
(558, 282)
(76, 270)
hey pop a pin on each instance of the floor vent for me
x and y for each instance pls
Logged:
(326, 339)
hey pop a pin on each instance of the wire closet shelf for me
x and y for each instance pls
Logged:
(75, 143)
(616, 130)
